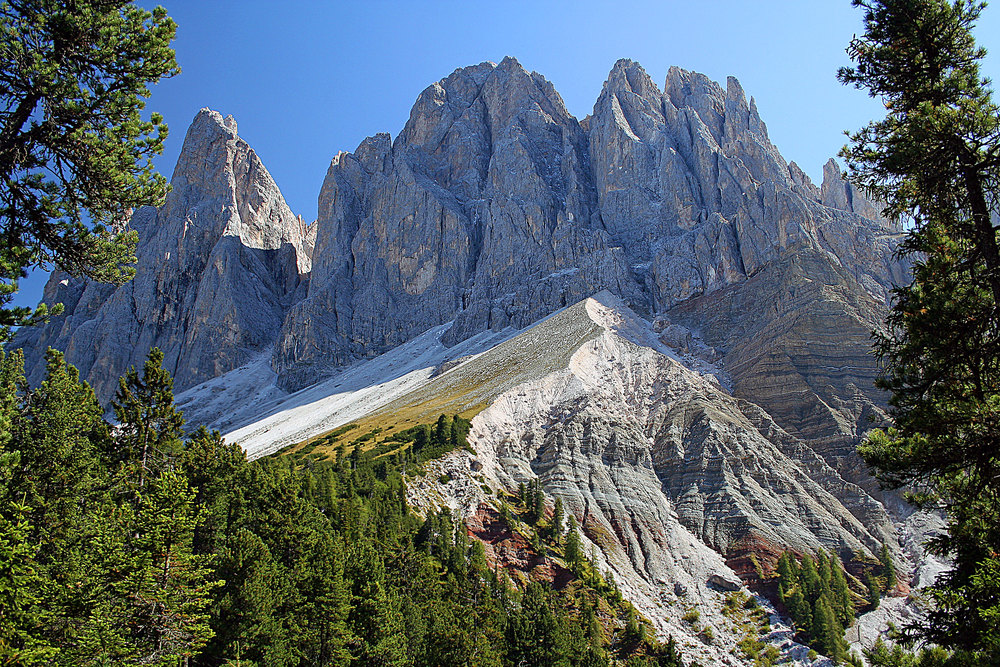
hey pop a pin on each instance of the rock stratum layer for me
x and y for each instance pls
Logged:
(704, 406)
(662, 467)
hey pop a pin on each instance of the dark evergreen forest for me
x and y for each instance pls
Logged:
(127, 542)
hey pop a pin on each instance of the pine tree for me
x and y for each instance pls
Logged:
(935, 159)
(536, 500)
(670, 656)
(809, 578)
(533, 633)
(826, 631)
(149, 425)
(456, 436)
(73, 143)
(171, 593)
(247, 608)
(376, 618)
(11, 382)
(324, 635)
(874, 595)
(58, 480)
(840, 595)
(800, 609)
(150, 592)
(60, 423)
(557, 521)
(22, 586)
(888, 568)
(442, 431)
(211, 467)
(574, 552)
(505, 515)
(635, 632)
(824, 569)
(477, 559)
(787, 573)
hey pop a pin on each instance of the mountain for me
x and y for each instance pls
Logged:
(648, 311)
(218, 265)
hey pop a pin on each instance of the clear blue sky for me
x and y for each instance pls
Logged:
(307, 79)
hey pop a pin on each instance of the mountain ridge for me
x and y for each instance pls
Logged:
(416, 231)
(648, 312)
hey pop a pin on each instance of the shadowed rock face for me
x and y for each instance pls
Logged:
(219, 263)
(796, 341)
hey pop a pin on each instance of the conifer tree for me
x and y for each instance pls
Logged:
(840, 595)
(534, 634)
(536, 501)
(247, 610)
(935, 159)
(11, 382)
(442, 430)
(149, 425)
(787, 570)
(874, 595)
(22, 639)
(574, 553)
(634, 631)
(477, 559)
(557, 520)
(73, 144)
(376, 618)
(171, 594)
(888, 568)
(58, 428)
(60, 423)
(809, 578)
(800, 608)
(826, 631)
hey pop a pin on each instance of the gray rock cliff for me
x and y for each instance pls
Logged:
(494, 207)
(219, 263)
(482, 210)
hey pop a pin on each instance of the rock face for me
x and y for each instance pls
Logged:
(694, 191)
(784, 279)
(494, 207)
(483, 209)
(805, 357)
(219, 263)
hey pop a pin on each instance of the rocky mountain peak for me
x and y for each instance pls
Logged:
(837, 192)
(628, 75)
(208, 147)
(218, 264)
(492, 208)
